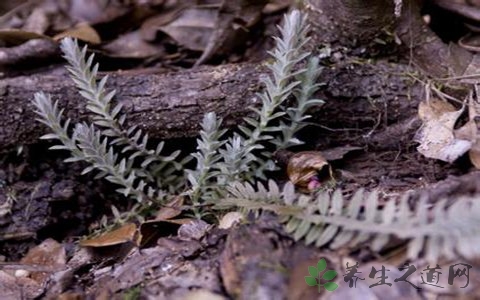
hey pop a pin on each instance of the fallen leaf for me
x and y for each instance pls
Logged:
(307, 168)
(232, 22)
(192, 28)
(132, 45)
(436, 136)
(37, 21)
(95, 12)
(15, 37)
(150, 231)
(171, 210)
(168, 14)
(274, 6)
(339, 152)
(83, 32)
(49, 253)
(124, 234)
(470, 130)
(230, 219)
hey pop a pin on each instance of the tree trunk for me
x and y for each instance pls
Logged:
(349, 23)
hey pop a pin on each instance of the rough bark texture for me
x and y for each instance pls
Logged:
(366, 97)
(359, 25)
(170, 105)
(350, 23)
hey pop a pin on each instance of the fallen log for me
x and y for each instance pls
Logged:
(172, 105)
(168, 105)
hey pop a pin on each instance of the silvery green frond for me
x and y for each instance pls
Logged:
(87, 144)
(298, 113)
(102, 157)
(51, 116)
(207, 156)
(237, 160)
(99, 102)
(329, 219)
(257, 197)
(278, 88)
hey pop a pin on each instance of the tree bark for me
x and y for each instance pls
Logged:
(349, 23)
(172, 105)
(358, 25)
(168, 105)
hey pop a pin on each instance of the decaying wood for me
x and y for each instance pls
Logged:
(168, 105)
(171, 105)
(350, 23)
(359, 25)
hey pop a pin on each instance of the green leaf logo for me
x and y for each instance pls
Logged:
(331, 286)
(311, 281)
(314, 278)
(329, 275)
(313, 271)
(322, 265)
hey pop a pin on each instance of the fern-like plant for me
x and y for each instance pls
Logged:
(248, 153)
(95, 143)
(145, 173)
(207, 156)
(329, 219)
(122, 156)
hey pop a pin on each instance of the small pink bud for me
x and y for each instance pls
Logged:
(314, 184)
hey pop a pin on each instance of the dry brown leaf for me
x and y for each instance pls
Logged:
(274, 6)
(49, 253)
(168, 14)
(171, 210)
(215, 28)
(469, 9)
(338, 153)
(132, 45)
(233, 20)
(124, 234)
(150, 231)
(37, 21)
(15, 37)
(230, 219)
(94, 11)
(83, 32)
(305, 168)
(436, 136)
(470, 130)
(193, 27)
(474, 155)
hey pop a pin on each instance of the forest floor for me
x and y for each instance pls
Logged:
(366, 129)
